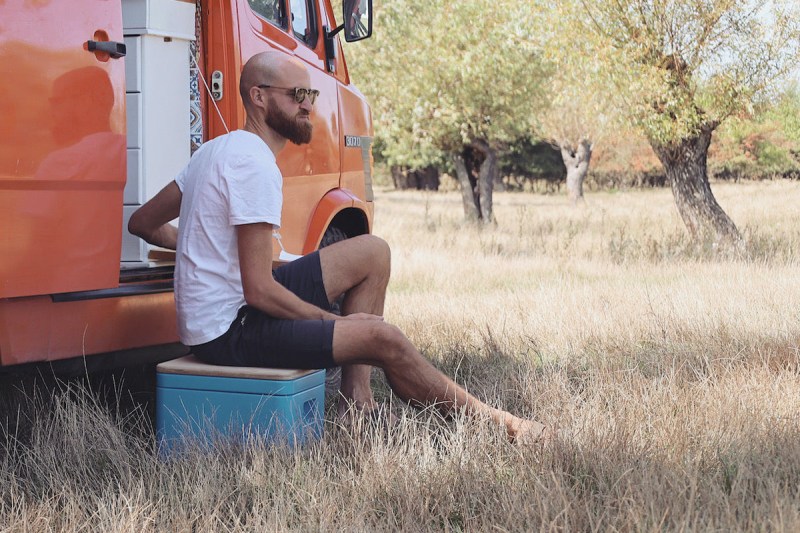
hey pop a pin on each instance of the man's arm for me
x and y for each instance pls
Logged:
(151, 221)
(260, 288)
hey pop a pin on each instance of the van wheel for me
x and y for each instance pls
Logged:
(332, 235)
(333, 376)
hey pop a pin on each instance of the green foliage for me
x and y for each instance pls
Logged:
(675, 66)
(440, 74)
(576, 109)
(787, 113)
(532, 159)
(770, 156)
(759, 147)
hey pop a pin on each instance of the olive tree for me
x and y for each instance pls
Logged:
(577, 116)
(678, 68)
(450, 83)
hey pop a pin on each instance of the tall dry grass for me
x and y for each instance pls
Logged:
(673, 379)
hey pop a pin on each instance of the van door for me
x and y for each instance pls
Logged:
(62, 146)
(309, 171)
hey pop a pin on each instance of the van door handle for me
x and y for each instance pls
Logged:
(112, 48)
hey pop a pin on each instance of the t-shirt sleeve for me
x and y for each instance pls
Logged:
(254, 191)
(180, 179)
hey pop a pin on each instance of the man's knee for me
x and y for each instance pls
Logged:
(392, 346)
(377, 251)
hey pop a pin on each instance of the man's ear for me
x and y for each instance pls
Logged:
(257, 97)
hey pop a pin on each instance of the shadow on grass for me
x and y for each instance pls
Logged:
(125, 392)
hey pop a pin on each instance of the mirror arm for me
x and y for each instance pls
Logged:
(334, 32)
(330, 49)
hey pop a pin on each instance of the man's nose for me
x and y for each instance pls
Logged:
(306, 104)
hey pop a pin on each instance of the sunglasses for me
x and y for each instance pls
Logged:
(299, 93)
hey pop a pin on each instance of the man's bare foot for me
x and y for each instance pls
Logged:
(528, 432)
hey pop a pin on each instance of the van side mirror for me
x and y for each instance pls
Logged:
(357, 25)
(357, 17)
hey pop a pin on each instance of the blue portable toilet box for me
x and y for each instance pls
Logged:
(205, 402)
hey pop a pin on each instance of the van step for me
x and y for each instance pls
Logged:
(129, 289)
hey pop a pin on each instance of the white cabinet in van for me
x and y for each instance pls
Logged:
(157, 35)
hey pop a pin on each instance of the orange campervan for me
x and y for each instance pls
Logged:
(103, 102)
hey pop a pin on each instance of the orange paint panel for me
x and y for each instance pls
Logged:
(57, 241)
(62, 147)
(356, 121)
(62, 167)
(298, 210)
(38, 329)
(220, 48)
(331, 203)
(309, 171)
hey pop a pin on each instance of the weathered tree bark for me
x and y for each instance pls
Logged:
(685, 163)
(468, 199)
(576, 159)
(399, 178)
(476, 170)
(486, 178)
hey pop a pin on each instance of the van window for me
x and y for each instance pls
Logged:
(272, 10)
(303, 21)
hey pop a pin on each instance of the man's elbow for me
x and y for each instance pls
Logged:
(258, 296)
(136, 225)
(140, 226)
(253, 298)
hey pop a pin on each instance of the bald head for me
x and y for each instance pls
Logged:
(270, 68)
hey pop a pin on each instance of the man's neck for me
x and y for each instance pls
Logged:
(275, 142)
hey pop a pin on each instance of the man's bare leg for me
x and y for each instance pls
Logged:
(359, 268)
(413, 378)
(356, 389)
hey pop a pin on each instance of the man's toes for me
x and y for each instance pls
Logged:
(529, 433)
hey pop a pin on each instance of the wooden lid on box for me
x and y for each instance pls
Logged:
(190, 365)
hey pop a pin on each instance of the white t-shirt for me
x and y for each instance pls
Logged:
(230, 180)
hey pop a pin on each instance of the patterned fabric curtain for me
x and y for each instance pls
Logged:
(195, 109)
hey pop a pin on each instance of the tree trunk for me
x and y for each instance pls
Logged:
(428, 179)
(399, 178)
(685, 163)
(486, 178)
(477, 187)
(468, 199)
(577, 162)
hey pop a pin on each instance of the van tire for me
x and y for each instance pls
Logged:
(332, 235)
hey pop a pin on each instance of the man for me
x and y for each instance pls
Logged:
(232, 310)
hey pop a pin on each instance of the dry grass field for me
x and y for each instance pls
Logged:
(672, 377)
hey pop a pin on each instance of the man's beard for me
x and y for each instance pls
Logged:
(295, 130)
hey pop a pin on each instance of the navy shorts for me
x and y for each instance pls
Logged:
(257, 339)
